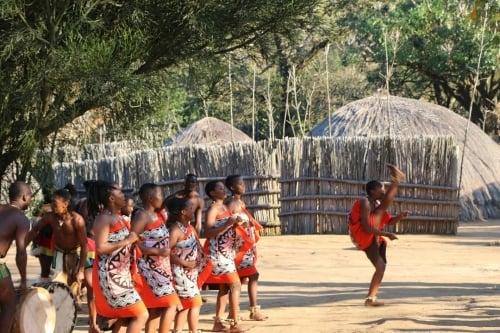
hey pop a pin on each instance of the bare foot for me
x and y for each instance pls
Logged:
(396, 174)
(258, 316)
(219, 326)
(236, 329)
(372, 302)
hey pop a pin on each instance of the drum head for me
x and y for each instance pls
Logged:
(65, 305)
(37, 312)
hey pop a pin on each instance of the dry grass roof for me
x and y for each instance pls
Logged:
(391, 115)
(209, 131)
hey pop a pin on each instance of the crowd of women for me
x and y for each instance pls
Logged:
(142, 262)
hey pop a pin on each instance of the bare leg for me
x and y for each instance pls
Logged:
(234, 306)
(390, 194)
(91, 302)
(120, 326)
(396, 174)
(7, 303)
(45, 265)
(255, 314)
(78, 295)
(252, 289)
(136, 324)
(193, 318)
(153, 320)
(166, 319)
(222, 299)
(372, 252)
(220, 307)
(180, 320)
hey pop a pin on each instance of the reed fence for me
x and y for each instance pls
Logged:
(299, 186)
(321, 178)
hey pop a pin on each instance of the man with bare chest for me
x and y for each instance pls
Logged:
(189, 192)
(69, 235)
(14, 225)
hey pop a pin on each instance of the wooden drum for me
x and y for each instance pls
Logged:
(64, 303)
(36, 312)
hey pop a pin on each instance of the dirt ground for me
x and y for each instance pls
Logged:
(318, 284)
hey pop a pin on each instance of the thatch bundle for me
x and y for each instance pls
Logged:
(209, 131)
(397, 116)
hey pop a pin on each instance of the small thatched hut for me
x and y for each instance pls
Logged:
(209, 131)
(397, 116)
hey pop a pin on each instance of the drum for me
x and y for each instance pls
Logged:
(36, 312)
(64, 303)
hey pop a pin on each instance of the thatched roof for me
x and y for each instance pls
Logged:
(391, 115)
(211, 131)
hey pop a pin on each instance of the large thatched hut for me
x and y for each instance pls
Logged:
(397, 116)
(209, 131)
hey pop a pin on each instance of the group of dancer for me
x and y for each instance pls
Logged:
(146, 269)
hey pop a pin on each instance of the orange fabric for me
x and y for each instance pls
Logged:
(119, 225)
(152, 301)
(225, 214)
(90, 245)
(189, 303)
(223, 278)
(205, 273)
(247, 244)
(249, 271)
(361, 238)
(102, 306)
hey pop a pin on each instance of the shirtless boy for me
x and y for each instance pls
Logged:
(14, 226)
(69, 234)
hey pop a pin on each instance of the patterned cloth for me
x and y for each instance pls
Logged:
(249, 234)
(188, 281)
(222, 252)
(155, 287)
(114, 293)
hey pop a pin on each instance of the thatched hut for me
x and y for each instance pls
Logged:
(397, 116)
(209, 131)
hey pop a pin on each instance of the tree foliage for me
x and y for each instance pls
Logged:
(60, 59)
(434, 48)
(152, 66)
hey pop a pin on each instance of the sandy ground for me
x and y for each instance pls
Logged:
(318, 284)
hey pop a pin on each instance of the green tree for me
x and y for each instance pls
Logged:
(60, 59)
(272, 59)
(434, 47)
